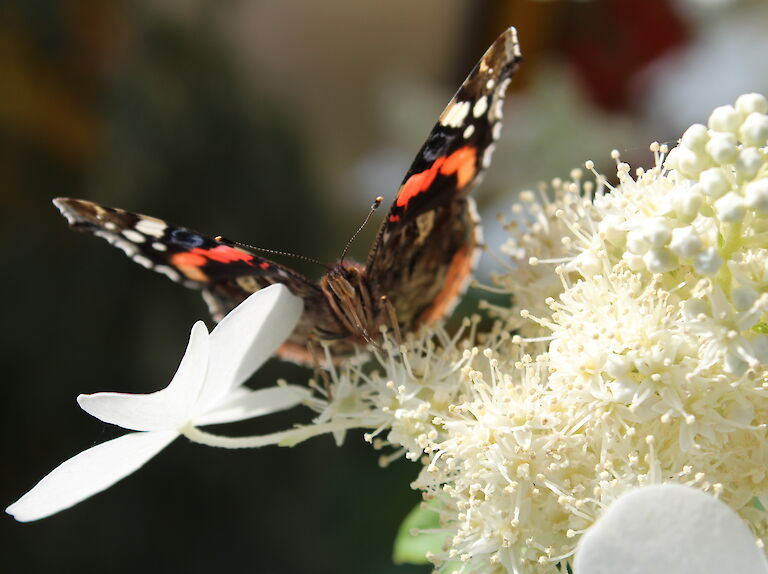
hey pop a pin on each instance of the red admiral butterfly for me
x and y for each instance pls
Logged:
(418, 266)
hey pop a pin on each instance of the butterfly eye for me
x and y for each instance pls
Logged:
(186, 239)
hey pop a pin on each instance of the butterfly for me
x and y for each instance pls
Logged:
(420, 262)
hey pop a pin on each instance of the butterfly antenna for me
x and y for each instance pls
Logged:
(374, 206)
(272, 251)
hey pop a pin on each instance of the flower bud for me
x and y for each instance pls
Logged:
(749, 162)
(657, 232)
(749, 103)
(754, 130)
(731, 208)
(714, 183)
(725, 119)
(722, 147)
(695, 137)
(660, 260)
(756, 195)
(685, 241)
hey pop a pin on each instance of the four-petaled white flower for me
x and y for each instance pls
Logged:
(206, 389)
(669, 528)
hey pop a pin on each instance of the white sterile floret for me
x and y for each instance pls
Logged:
(688, 532)
(206, 389)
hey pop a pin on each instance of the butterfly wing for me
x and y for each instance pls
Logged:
(226, 273)
(427, 247)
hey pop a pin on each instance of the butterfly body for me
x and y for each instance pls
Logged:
(417, 268)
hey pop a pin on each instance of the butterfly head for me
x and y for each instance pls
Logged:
(348, 293)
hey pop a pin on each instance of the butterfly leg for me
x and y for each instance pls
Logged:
(392, 316)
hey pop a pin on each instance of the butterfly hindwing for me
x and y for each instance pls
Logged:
(427, 246)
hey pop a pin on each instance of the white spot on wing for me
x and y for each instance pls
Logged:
(134, 236)
(490, 83)
(126, 247)
(474, 217)
(497, 111)
(143, 261)
(455, 114)
(157, 246)
(469, 131)
(496, 131)
(503, 87)
(169, 272)
(480, 107)
(488, 154)
(111, 226)
(151, 227)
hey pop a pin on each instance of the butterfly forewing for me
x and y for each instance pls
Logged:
(226, 273)
(427, 246)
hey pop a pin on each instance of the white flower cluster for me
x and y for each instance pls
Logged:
(648, 303)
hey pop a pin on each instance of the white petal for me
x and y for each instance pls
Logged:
(190, 374)
(255, 404)
(164, 409)
(89, 472)
(669, 529)
(247, 337)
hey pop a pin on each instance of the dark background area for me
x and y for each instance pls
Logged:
(274, 124)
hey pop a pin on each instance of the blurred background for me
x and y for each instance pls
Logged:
(275, 124)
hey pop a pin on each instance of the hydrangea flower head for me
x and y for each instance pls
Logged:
(640, 359)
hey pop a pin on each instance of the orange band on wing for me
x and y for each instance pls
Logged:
(188, 259)
(418, 183)
(223, 254)
(461, 163)
(454, 284)
(190, 263)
